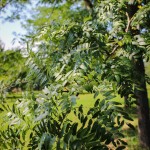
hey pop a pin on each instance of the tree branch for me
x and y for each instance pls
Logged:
(113, 52)
(88, 4)
(4, 5)
(129, 22)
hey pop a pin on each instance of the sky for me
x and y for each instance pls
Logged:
(8, 28)
(6, 33)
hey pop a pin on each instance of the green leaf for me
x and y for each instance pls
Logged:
(1, 109)
(120, 148)
(89, 137)
(13, 108)
(42, 116)
(90, 122)
(108, 93)
(96, 103)
(23, 134)
(118, 119)
(95, 126)
(122, 123)
(81, 108)
(117, 78)
(74, 128)
(82, 132)
(67, 137)
(68, 74)
(108, 140)
(96, 94)
(93, 143)
(88, 87)
(114, 103)
(84, 121)
(42, 141)
(58, 145)
(59, 77)
(127, 117)
(123, 142)
(75, 144)
(131, 126)
(73, 100)
(96, 114)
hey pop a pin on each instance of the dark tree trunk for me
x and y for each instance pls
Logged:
(142, 100)
(140, 85)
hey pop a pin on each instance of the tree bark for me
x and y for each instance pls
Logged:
(142, 101)
(140, 85)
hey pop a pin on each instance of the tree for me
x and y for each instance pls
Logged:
(13, 70)
(126, 37)
(106, 45)
(1, 46)
(139, 76)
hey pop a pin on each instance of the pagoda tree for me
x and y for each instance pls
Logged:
(113, 40)
(101, 48)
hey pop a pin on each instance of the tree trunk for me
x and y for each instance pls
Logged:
(142, 100)
(140, 85)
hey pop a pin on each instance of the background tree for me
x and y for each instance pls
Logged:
(1, 46)
(13, 70)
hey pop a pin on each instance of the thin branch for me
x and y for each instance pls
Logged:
(3, 6)
(129, 22)
(88, 4)
(113, 51)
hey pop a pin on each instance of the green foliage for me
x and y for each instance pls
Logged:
(44, 120)
(92, 53)
(13, 71)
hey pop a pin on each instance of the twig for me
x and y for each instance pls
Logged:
(88, 4)
(129, 22)
(113, 51)
(3, 6)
